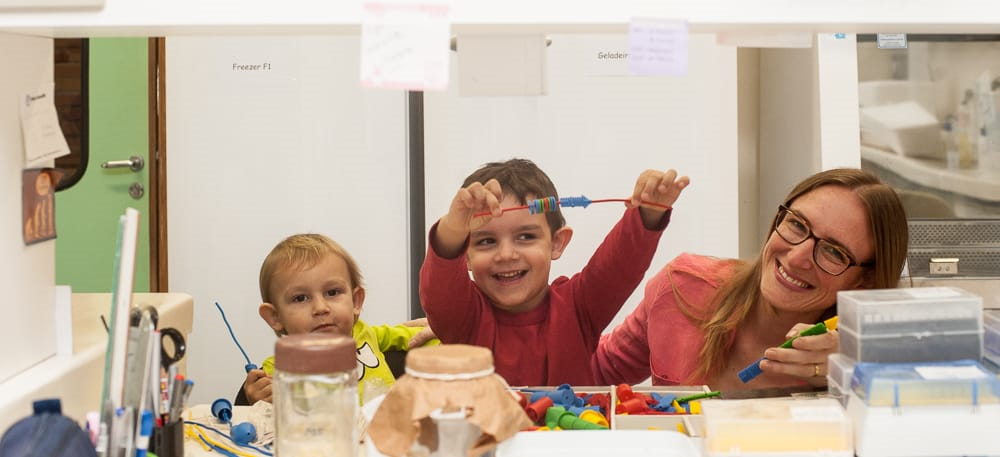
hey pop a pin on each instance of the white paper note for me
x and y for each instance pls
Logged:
(658, 47)
(405, 46)
(43, 138)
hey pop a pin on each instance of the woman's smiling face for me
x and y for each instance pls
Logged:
(791, 280)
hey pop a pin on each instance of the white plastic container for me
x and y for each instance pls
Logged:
(902, 385)
(840, 368)
(910, 325)
(991, 336)
(777, 427)
(924, 431)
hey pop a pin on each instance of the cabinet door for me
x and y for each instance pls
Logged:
(268, 137)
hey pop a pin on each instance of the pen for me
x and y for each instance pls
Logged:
(188, 387)
(145, 430)
(155, 382)
(104, 430)
(753, 370)
(176, 397)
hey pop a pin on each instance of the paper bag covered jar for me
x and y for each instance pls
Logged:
(440, 381)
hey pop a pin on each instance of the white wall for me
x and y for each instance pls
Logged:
(594, 132)
(257, 156)
(306, 149)
(27, 273)
(808, 116)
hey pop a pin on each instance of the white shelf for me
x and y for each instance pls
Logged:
(76, 379)
(981, 183)
(254, 17)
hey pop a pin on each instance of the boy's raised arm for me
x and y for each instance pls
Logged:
(453, 228)
(660, 187)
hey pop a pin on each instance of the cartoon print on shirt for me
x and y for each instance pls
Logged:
(366, 359)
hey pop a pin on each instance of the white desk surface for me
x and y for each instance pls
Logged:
(580, 443)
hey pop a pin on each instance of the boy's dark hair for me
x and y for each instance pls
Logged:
(521, 178)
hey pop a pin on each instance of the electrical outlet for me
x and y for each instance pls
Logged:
(944, 267)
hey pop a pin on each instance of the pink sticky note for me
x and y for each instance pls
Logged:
(405, 45)
(658, 47)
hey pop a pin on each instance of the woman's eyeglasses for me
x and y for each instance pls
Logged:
(830, 258)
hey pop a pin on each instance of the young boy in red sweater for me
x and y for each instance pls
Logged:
(540, 333)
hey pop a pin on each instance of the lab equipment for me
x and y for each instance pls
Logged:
(315, 395)
(919, 324)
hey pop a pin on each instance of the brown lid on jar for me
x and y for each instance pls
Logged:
(449, 359)
(314, 353)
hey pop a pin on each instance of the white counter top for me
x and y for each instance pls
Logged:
(982, 183)
(77, 379)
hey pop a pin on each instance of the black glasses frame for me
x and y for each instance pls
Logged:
(783, 211)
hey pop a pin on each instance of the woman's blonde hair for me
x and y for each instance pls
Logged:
(303, 251)
(734, 300)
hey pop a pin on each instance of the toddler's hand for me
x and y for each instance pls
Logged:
(476, 198)
(660, 187)
(421, 337)
(455, 226)
(257, 386)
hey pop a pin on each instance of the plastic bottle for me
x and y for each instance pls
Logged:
(950, 141)
(968, 133)
(315, 396)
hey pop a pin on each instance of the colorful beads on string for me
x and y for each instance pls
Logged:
(543, 205)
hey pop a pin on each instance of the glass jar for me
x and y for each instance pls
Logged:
(315, 396)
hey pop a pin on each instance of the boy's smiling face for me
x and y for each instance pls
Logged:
(317, 298)
(510, 257)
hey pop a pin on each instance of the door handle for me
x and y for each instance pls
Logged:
(134, 163)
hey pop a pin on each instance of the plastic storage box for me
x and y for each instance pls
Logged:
(910, 325)
(959, 382)
(840, 368)
(939, 409)
(777, 427)
(991, 337)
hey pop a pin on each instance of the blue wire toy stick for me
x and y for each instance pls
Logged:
(550, 204)
(249, 366)
(753, 370)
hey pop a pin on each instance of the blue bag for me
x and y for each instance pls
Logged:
(46, 433)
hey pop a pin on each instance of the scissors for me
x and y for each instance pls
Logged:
(172, 344)
(172, 347)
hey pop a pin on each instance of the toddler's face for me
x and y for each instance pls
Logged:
(319, 298)
(510, 257)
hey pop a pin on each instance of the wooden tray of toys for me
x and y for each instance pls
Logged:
(620, 407)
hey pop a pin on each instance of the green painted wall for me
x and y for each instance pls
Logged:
(87, 214)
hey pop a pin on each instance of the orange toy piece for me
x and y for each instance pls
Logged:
(624, 392)
(536, 410)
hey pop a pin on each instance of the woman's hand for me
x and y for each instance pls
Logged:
(807, 358)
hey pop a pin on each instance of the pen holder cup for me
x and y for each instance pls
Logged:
(168, 440)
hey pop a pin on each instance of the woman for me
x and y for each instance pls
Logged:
(704, 319)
